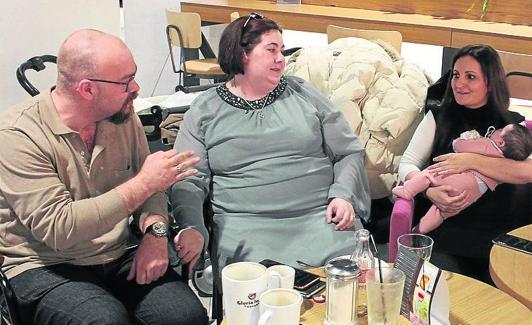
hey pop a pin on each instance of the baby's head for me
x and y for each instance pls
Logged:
(517, 143)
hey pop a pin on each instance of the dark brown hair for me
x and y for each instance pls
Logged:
(490, 63)
(237, 40)
(497, 92)
(517, 143)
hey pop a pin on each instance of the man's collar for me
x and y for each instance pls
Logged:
(51, 116)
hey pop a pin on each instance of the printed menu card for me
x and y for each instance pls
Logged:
(425, 295)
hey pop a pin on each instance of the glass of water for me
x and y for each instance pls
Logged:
(419, 244)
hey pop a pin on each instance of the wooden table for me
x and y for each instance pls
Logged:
(472, 302)
(415, 28)
(512, 270)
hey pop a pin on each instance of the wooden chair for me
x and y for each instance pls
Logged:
(518, 68)
(184, 31)
(394, 38)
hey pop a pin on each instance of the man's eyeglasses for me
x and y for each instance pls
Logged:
(251, 16)
(126, 83)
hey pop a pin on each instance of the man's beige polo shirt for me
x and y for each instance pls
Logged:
(57, 200)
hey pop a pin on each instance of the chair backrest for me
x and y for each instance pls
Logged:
(394, 38)
(36, 63)
(400, 223)
(189, 25)
(234, 16)
(518, 68)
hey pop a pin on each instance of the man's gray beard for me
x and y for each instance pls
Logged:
(119, 117)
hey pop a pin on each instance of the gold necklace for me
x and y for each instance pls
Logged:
(259, 110)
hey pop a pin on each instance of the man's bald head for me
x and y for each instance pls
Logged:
(86, 53)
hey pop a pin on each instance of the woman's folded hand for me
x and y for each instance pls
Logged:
(340, 212)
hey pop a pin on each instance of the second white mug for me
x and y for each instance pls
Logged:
(286, 275)
(280, 307)
(242, 285)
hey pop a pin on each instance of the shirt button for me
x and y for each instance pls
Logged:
(83, 153)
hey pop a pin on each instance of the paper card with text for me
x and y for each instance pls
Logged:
(426, 295)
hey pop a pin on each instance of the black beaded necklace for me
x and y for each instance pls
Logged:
(254, 105)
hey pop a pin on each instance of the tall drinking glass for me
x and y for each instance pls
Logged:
(384, 298)
(419, 244)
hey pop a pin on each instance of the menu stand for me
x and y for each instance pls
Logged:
(426, 294)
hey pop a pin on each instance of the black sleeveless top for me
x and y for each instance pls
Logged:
(470, 232)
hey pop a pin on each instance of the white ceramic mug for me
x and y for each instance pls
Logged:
(242, 285)
(280, 307)
(286, 274)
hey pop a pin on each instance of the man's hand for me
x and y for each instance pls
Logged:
(163, 168)
(159, 171)
(448, 205)
(452, 163)
(341, 213)
(150, 261)
(189, 246)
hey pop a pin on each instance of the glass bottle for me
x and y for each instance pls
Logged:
(364, 258)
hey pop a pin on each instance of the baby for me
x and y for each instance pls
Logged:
(514, 141)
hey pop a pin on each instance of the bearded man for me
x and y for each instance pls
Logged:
(74, 166)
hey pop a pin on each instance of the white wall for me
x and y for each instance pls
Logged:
(37, 27)
(145, 33)
(40, 26)
(144, 29)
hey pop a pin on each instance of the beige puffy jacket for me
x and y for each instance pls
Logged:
(379, 93)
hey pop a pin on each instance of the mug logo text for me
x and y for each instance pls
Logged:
(252, 303)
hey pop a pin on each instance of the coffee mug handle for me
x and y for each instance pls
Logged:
(274, 279)
(265, 318)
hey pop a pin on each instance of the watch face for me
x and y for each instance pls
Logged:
(159, 229)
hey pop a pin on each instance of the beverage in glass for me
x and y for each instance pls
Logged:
(384, 298)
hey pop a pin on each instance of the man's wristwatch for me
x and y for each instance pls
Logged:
(158, 229)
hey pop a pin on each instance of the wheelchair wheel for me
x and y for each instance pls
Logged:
(203, 281)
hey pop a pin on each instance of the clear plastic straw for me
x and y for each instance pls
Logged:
(380, 276)
(378, 257)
